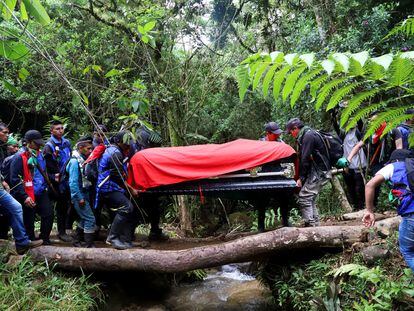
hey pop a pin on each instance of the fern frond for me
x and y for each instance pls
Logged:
(363, 113)
(290, 82)
(387, 116)
(315, 84)
(258, 75)
(395, 122)
(278, 80)
(301, 85)
(268, 78)
(355, 68)
(326, 90)
(339, 94)
(375, 71)
(355, 102)
(406, 27)
(401, 71)
(243, 80)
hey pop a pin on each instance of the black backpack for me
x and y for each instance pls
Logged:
(333, 145)
(409, 164)
(91, 171)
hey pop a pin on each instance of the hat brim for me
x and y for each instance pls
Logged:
(39, 141)
(277, 132)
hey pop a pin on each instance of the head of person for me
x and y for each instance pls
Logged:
(273, 131)
(57, 129)
(294, 126)
(4, 133)
(124, 140)
(34, 139)
(99, 133)
(12, 145)
(84, 146)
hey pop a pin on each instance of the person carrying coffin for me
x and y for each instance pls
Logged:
(113, 190)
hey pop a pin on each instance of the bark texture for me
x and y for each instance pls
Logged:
(243, 249)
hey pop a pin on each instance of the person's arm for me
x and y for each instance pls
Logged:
(16, 177)
(73, 171)
(306, 150)
(355, 150)
(369, 216)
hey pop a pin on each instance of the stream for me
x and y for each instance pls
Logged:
(225, 288)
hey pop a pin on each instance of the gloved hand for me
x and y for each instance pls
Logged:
(342, 163)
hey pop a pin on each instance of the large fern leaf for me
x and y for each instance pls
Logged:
(290, 82)
(268, 78)
(406, 27)
(401, 71)
(355, 102)
(387, 116)
(315, 84)
(395, 122)
(326, 90)
(355, 68)
(243, 80)
(278, 80)
(301, 85)
(363, 113)
(258, 75)
(339, 94)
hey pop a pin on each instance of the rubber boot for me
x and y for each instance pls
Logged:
(156, 235)
(117, 229)
(77, 237)
(89, 238)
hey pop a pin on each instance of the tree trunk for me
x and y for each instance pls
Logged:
(184, 212)
(346, 207)
(240, 250)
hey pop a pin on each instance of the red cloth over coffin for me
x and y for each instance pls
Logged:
(164, 166)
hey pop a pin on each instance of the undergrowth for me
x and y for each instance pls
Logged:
(25, 285)
(342, 282)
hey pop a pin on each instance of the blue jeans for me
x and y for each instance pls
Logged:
(13, 210)
(406, 240)
(87, 218)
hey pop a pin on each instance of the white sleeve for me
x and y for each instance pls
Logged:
(386, 172)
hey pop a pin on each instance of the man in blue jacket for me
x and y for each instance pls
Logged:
(57, 153)
(79, 192)
(28, 181)
(116, 193)
(395, 172)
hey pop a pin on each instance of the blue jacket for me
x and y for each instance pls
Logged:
(77, 191)
(401, 189)
(111, 164)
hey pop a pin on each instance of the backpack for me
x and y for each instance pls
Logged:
(409, 164)
(405, 131)
(333, 145)
(91, 165)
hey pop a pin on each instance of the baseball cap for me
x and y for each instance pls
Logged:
(273, 127)
(295, 122)
(33, 135)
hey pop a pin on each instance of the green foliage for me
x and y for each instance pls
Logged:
(354, 78)
(329, 283)
(29, 286)
(405, 27)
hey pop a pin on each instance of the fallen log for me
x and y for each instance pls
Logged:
(240, 250)
(359, 214)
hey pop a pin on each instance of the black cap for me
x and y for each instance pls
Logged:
(85, 139)
(295, 122)
(273, 127)
(400, 155)
(122, 137)
(33, 135)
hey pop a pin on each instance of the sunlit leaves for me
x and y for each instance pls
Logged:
(35, 9)
(12, 50)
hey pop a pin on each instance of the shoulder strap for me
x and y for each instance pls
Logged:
(409, 164)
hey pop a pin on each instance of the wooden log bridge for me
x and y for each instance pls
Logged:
(242, 249)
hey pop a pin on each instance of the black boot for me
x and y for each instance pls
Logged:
(157, 235)
(77, 237)
(89, 238)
